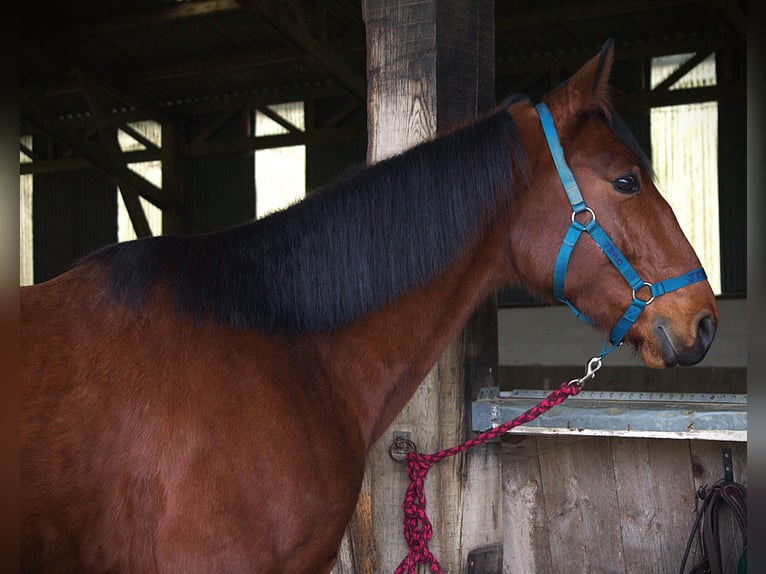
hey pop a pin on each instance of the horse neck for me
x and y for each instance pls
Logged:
(377, 362)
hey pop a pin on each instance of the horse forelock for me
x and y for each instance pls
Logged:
(605, 112)
(346, 250)
(626, 136)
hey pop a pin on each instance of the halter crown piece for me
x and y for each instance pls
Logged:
(601, 238)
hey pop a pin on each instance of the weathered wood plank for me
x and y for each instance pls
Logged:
(654, 491)
(607, 504)
(526, 545)
(580, 500)
(401, 83)
(468, 486)
(357, 552)
(430, 66)
(401, 113)
(389, 479)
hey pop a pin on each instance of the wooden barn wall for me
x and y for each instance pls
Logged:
(219, 190)
(430, 66)
(732, 177)
(74, 213)
(596, 505)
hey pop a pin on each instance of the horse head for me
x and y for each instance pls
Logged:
(618, 191)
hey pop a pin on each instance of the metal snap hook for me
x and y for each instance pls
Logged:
(594, 364)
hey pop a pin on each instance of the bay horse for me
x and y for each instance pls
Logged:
(184, 399)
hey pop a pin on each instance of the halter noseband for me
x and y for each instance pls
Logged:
(605, 243)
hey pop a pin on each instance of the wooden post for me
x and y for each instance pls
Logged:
(173, 169)
(430, 66)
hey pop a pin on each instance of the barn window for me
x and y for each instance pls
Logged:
(136, 137)
(685, 158)
(280, 173)
(26, 268)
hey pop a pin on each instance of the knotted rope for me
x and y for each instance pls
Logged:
(416, 524)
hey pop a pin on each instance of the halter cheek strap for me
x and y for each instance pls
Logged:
(603, 240)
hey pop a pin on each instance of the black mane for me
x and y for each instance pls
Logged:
(344, 251)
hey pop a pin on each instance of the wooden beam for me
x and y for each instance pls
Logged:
(136, 212)
(576, 11)
(296, 32)
(644, 101)
(173, 177)
(266, 98)
(326, 135)
(213, 126)
(279, 120)
(244, 144)
(342, 114)
(430, 66)
(198, 66)
(543, 62)
(240, 60)
(732, 21)
(681, 71)
(138, 136)
(40, 165)
(29, 152)
(108, 134)
(97, 156)
(127, 94)
(163, 15)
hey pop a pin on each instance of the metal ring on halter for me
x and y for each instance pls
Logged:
(589, 210)
(646, 284)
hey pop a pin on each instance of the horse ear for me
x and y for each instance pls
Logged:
(588, 89)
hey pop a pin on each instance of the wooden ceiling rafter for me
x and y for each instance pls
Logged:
(310, 52)
(157, 16)
(693, 61)
(732, 21)
(295, 31)
(279, 120)
(139, 137)
(97, 156)
(108, 132)
(574, 12)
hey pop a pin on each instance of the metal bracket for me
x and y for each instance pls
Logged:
(488, 393)
(728, 465)
(485, 560)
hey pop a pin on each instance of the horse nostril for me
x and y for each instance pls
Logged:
(706, 331)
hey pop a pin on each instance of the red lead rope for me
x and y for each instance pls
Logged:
(416, 524)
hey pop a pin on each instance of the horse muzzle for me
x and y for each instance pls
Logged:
(676, 349)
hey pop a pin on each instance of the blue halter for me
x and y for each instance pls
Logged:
(605, 243)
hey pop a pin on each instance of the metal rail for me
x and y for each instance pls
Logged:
(618, 413)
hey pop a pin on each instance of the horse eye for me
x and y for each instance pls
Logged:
(626, 184)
